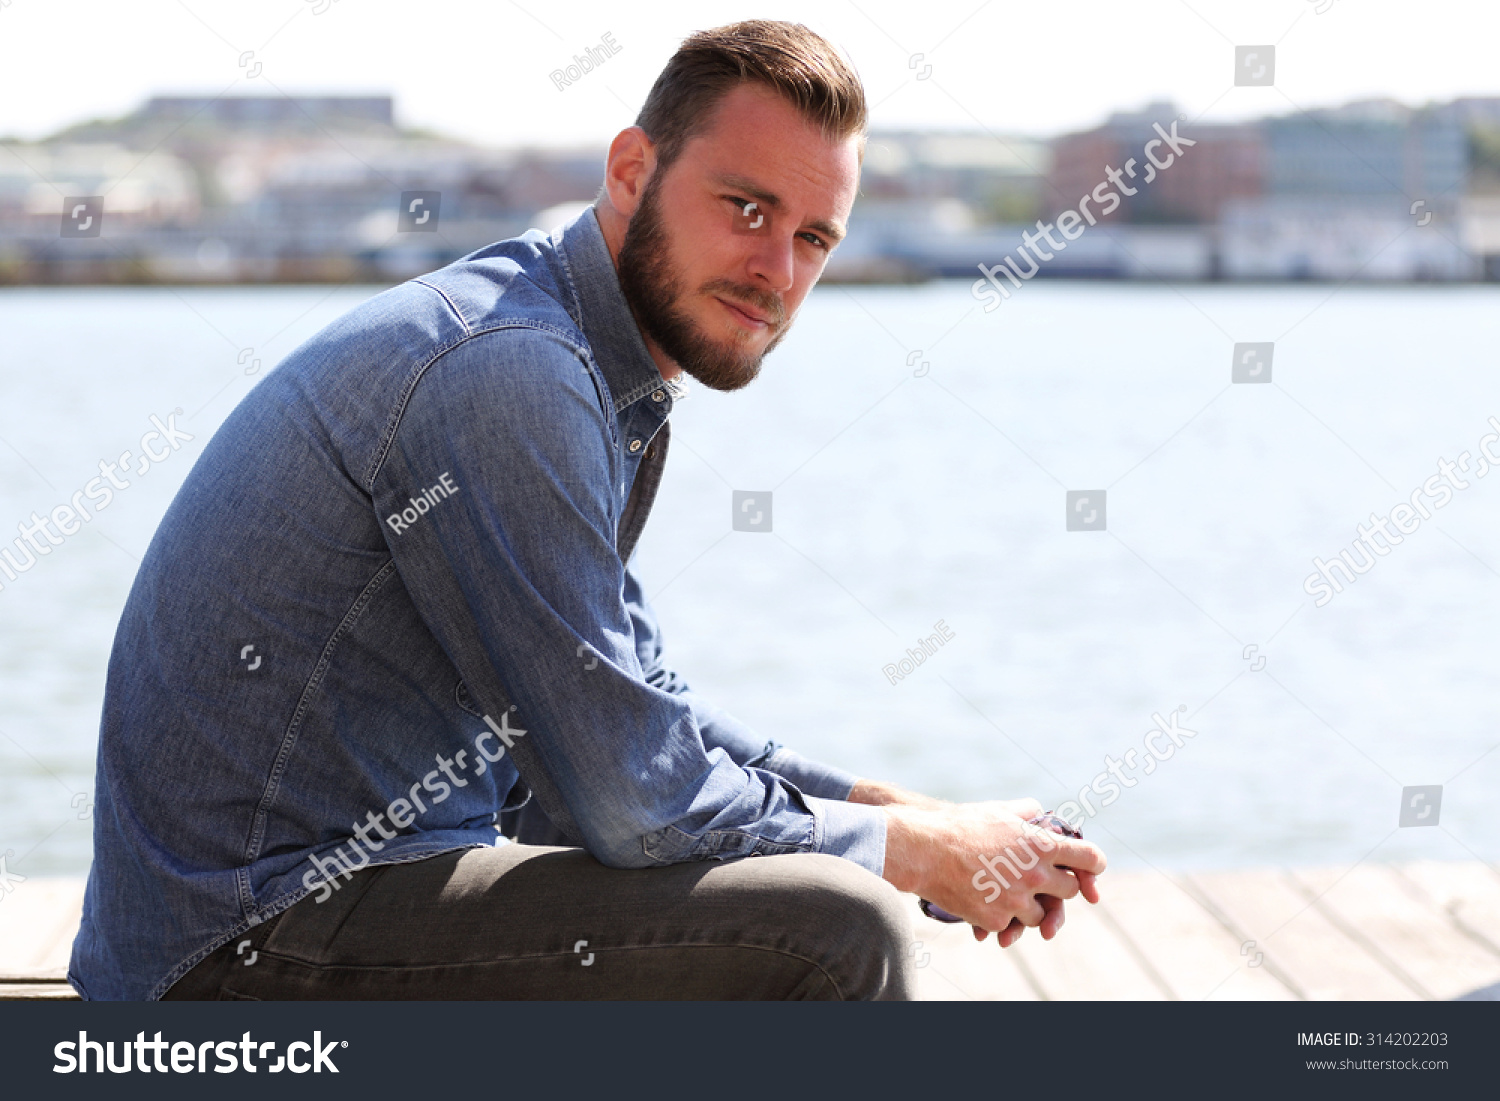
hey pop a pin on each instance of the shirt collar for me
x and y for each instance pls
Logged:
(606, 320)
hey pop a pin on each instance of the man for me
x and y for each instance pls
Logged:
(390, 618)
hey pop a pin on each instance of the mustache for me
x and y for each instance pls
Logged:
(763, 302)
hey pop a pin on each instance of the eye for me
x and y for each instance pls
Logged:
(814, 239)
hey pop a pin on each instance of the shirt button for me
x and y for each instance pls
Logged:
(635, 445)
(660, 395)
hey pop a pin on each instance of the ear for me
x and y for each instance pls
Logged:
(631, 161)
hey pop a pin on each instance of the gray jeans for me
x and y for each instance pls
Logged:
(540, 921)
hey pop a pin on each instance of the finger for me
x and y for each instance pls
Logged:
(1011, 934)
(979, 934)
(1052, 924)
(1060, 883)
(1030, 913)
(1069, 852)
(1088, 886)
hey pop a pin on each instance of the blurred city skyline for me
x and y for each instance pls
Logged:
(275, 188)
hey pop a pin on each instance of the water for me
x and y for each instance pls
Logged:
(906, 494)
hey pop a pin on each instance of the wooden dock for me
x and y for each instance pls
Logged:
(1376, 931)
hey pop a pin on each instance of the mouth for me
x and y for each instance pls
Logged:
(747, 317)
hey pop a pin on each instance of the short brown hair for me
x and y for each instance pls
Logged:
(800, 65)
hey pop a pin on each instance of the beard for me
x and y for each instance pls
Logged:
(653, 288)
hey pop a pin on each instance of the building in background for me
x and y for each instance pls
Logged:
(934, 203)
(267, 189)
(307, 188)
(1225, 163)
(1368, 191)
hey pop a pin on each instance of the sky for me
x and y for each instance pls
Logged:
(480, 70)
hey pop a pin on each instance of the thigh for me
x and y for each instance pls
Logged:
(533, 921)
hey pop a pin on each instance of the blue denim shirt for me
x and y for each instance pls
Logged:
(391, 600)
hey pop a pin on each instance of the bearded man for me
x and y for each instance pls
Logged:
(387, 714)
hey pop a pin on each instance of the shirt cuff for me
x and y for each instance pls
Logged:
(811, 777)
(854, 831)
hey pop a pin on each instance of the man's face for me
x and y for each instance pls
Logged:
(729, 238)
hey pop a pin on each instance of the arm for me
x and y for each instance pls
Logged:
(920, 841)
(718, 728)
(517, 576)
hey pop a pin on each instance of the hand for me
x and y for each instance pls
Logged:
(1051, 924)
(985, 864)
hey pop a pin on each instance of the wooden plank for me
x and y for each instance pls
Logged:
(1298, 942)
(1468, 894)
(1402, 925)
(953, 966)
(1085, 961)
(38, 920)
(1192, 952)
(36, 992)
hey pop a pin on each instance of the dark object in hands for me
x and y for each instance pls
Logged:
(1047, 820)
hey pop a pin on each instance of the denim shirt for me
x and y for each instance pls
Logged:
(394, 598)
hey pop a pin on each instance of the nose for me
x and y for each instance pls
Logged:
(771, 262)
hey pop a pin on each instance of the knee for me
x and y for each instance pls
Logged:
(859, 898)
(863, 920)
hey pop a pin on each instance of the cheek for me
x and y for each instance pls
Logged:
(807, 276)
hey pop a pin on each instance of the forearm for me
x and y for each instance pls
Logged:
(878, 793)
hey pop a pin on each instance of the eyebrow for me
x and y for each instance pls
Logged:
(832, 230)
